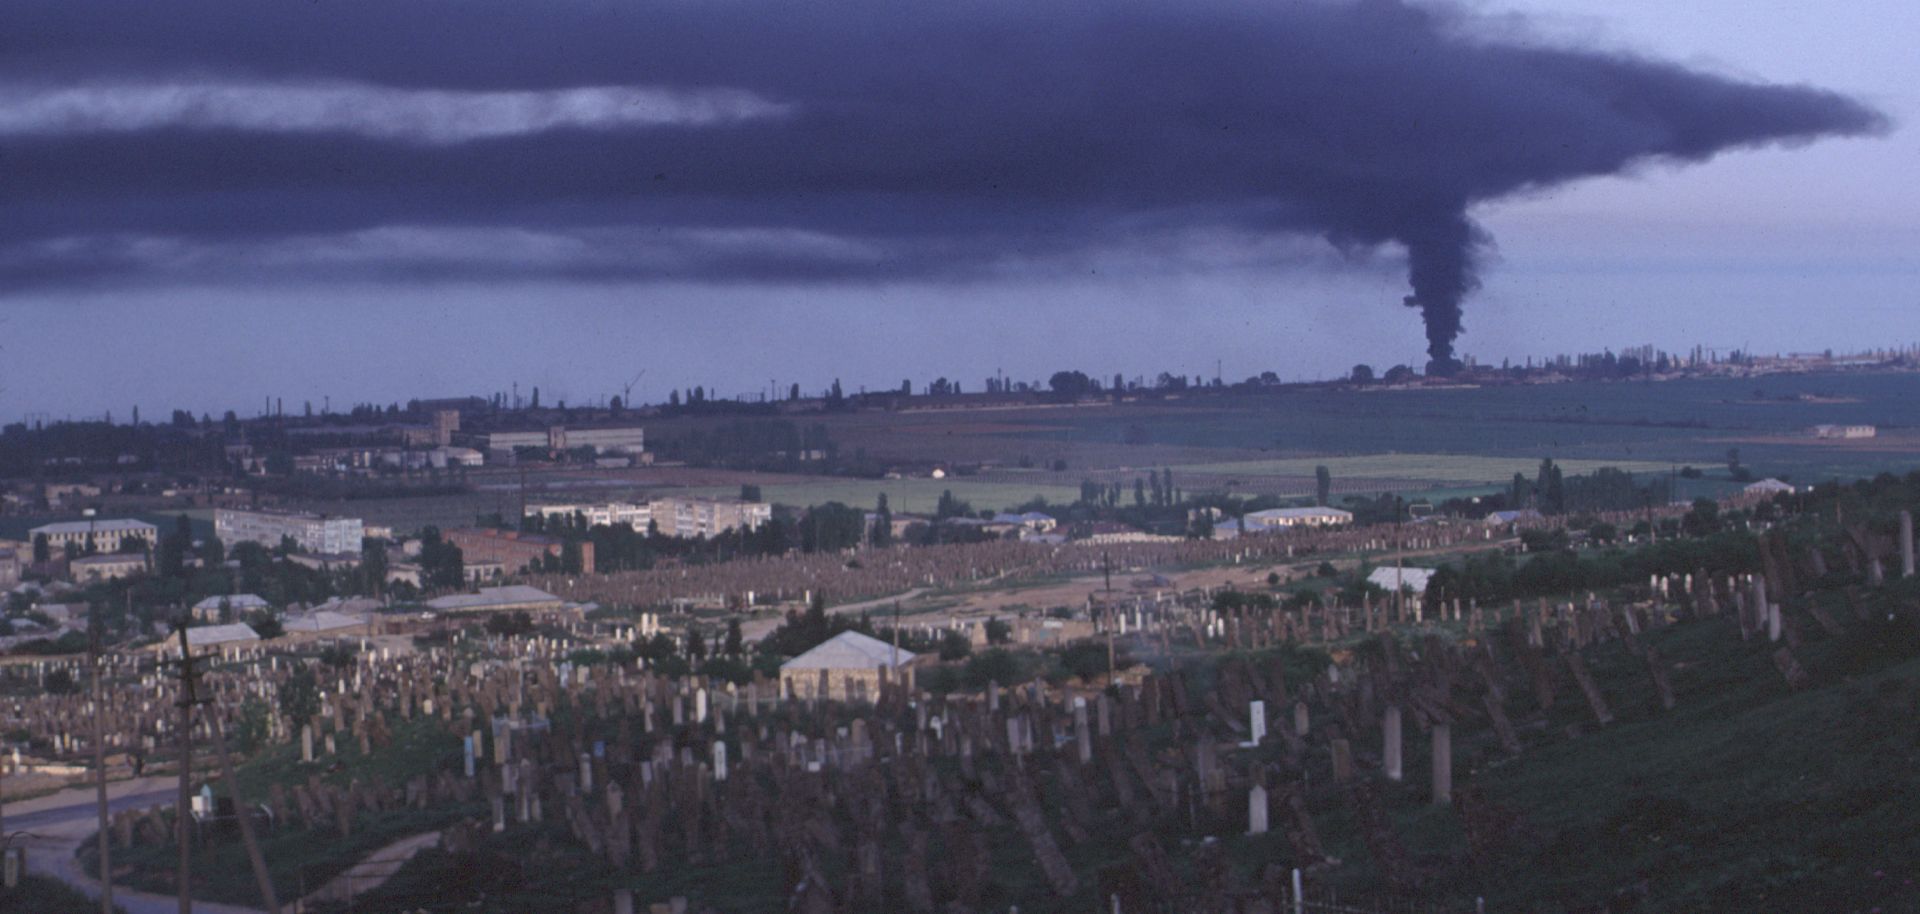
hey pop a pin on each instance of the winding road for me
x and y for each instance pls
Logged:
(53, 826)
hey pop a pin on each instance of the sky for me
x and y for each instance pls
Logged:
(330, 201)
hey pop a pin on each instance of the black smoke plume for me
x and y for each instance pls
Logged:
(892, 139)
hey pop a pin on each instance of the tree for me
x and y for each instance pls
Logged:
(1362, 374)
(535, 402)
(299, 698)
(1070, 383)
(793, 393)
(440, 561)
(373, 565)
(883, 523)
(749, 492)
(213, 553)
(1398, 374)
(734, 645)
(42, 549)
(1322, 484)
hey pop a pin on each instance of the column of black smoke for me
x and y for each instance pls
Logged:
(899, 139)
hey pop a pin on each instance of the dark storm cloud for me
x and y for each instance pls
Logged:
(763, 140)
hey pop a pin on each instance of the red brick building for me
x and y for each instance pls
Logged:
(511, 548)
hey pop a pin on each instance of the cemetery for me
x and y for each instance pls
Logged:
(1614, 748)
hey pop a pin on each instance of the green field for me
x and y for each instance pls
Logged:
(906, 496)
(1454, 468)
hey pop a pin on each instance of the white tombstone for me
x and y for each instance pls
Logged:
(1257, 810)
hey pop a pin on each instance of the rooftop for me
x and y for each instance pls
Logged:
(1393, 579)
(215, 635)
(123, 525)
(849, 651)
(493, 598)
(233, 601)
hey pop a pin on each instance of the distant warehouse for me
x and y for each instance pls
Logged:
(1288, 518)
(624, 439)
(1843, 431)
(512, 598)
(312, 532)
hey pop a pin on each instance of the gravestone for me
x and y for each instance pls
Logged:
(1442, 764)
(1390, 743)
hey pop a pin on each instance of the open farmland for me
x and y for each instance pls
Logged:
(1651, 426)
(912, 496)
(1452, 469)
(1269, 442)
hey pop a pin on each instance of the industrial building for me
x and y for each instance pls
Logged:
(629, 439)
(311, 532)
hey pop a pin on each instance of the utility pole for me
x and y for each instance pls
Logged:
(1106, 570)
(97, 653)
(895, 662)
(182, 810)
(254, 859)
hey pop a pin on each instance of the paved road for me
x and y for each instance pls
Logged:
(754, 629)
(57, 824)
(83, 808)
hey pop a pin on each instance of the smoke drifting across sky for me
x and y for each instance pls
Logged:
(203, 140)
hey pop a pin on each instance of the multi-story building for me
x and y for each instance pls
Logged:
(312, 532)
(10, 562)
(610, 514)
(106, 535)
(700, 518)
(694, 517)
(108, 565)
(513, 550)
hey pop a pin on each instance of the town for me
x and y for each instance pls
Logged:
(999, 457)
(421, 635)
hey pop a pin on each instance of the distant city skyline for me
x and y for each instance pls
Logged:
(1798, 249)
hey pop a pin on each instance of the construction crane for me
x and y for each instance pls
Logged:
(626, 393)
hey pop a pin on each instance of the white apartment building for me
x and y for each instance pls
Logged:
(683, 516)
(610, 514)
(700, 518)
(313, 532)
